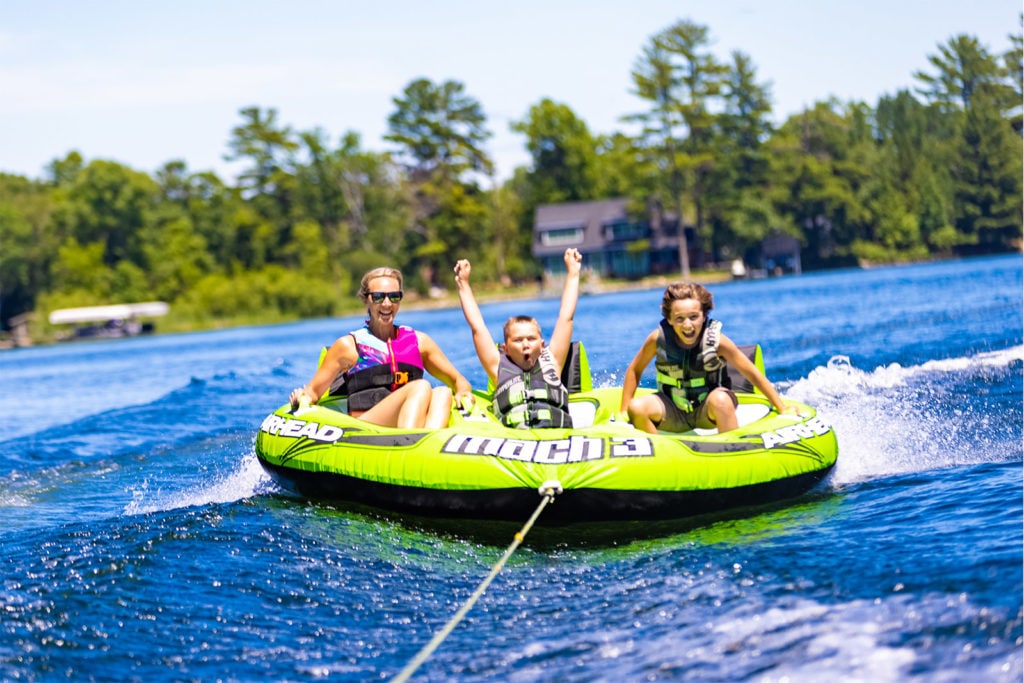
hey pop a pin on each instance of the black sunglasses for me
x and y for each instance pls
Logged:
(378, 297)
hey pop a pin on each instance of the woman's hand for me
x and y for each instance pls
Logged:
(465, 400)
(299, 398)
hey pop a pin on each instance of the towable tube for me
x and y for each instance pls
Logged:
(609, 471)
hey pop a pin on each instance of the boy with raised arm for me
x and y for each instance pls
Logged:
(524, 370)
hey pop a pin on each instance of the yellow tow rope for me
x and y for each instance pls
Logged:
(548, 490)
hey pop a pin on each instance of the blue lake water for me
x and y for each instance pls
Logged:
(142, 541)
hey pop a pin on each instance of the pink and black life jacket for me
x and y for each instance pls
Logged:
(382, 366)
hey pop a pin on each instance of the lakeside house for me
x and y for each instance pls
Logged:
(617, 245)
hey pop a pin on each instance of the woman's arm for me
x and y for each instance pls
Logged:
(340, 357)
(438, 365)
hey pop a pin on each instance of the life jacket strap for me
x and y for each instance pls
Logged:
(678, 383)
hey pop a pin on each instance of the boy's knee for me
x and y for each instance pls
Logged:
(641, 407)
(722, 401)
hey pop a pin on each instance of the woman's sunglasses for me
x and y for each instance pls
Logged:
(378, 297)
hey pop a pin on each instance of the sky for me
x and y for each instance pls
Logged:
(143, 83)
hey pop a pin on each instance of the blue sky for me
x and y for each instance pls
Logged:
(144, 83)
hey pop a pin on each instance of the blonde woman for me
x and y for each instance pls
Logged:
(380, 366)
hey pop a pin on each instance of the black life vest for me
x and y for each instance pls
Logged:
(382, 367)
(534, 398)
(687, 375)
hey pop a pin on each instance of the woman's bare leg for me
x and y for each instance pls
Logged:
(440, 411)
(405, 407)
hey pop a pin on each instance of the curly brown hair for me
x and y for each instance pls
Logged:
(686, 290)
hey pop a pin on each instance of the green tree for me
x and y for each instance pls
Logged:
(810, 154)
(209, 205)
(377, 206)
(27, 244)
(82, 273)
(563, 154)
(440, 130)
(110, 204)
(307, 250)
(266, 148)
(681, 79)
(625, 170)
(355, 198)
(1014, 65)
(510, 252)
(64, 171)
(914, 143)
(178, 258)
(972, 86)
(318, 194)
(174, 183)
(741, 208)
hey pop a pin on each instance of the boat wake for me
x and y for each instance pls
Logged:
(898, 419)
(246, 481)
(891, 420)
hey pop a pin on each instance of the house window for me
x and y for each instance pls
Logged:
(619, 232)
(561, 237)
(625, 264)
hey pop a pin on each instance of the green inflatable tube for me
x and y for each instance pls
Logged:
(604, 470)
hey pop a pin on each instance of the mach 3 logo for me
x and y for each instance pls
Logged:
(550, 451)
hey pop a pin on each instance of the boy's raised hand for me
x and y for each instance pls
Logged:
(573, 261)
(462, 270)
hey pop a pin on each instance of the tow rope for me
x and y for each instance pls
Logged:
(548, 490)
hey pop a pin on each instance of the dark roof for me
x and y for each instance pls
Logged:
(591, 216)
(779, 244)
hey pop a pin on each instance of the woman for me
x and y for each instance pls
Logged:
(380, 366)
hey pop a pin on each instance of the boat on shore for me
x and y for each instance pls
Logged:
(112, 321)
(603, 468)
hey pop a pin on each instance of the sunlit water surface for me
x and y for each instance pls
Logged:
(142, 541)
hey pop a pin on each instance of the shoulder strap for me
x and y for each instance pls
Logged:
(739, 382)
(576, 371)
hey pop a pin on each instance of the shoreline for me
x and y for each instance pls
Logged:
(489, 292)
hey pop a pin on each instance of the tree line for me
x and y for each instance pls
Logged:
(931, 172)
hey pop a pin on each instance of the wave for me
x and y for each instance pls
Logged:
(896, 419)
(247, 480)
(890, 420)
(840, 376)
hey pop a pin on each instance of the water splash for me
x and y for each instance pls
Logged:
(897, 419)
(247, 480)
(840, 378)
